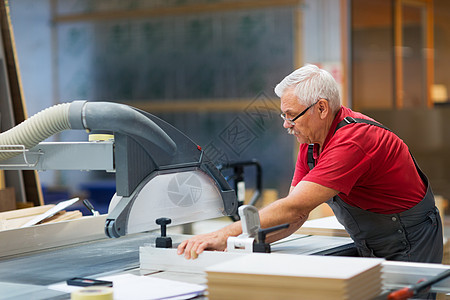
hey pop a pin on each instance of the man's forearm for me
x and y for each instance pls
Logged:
(281, 212)
(278, 235)
(233, 229)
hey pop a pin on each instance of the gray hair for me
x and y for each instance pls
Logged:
(311, 83)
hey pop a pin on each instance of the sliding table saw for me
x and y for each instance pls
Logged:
(159, 173)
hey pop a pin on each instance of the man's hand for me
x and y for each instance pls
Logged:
(209, 241)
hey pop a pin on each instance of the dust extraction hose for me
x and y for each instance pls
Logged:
(89, 116)
(36, 129)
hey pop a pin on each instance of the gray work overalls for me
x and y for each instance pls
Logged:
(414, 235)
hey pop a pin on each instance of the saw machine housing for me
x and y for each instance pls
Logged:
(160, 172)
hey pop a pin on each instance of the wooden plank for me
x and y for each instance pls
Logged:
(32, 185)
(299, 274)
(429, 53)
(7, 199)
(174, 10)
(398, 54)
(161, 259)
(59, 207)
(14, 223)
(25, 212)
(63, 216)
(52, 235)
(55, 216)
(345, 50)
(328, 226)
(2, 180)
(20, 205)
(11, 63)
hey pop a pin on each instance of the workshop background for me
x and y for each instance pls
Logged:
(208, 67)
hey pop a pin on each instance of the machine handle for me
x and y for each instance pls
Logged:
(263, 232)
(402, 294)
(250, 220)
(261, 245)
(408, 292)
(163, 241)
(163, 222)
(89, 206)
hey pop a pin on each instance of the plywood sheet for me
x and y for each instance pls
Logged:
(51, 235)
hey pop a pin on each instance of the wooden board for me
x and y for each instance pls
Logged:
(16, 218)
(161, 259)
(288, 276)
(310, 266)
(328, 226)
(7, 199)
(25, 212)
(37, 215)
(51, 235)
(31, 184)
(63, 216)
(2, 178)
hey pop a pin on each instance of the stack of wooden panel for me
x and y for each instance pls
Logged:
(328, 226)
(282, 276)
(16, 218)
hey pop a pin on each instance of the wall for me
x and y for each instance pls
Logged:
(200, 56)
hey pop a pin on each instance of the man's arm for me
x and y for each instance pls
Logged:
(293, 209)
(292, 188)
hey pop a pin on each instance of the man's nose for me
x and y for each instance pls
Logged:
(287, 124)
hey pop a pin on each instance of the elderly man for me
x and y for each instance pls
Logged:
(356, 165)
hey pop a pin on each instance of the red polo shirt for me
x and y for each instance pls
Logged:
(371, 167)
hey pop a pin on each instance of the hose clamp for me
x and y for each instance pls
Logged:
(83, 116)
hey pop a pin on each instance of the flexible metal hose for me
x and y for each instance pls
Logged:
(36, 129)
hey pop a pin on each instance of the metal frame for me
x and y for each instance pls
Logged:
(62, 156)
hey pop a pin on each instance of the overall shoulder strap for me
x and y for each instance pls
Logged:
(346, 121)
(350, 120)
(311, 160)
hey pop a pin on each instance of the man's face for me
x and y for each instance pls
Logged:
(291, 107)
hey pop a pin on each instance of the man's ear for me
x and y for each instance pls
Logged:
(323, 108)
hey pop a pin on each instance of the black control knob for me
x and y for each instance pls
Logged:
(163, 241)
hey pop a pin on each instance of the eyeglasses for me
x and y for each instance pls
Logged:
(292, 121)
